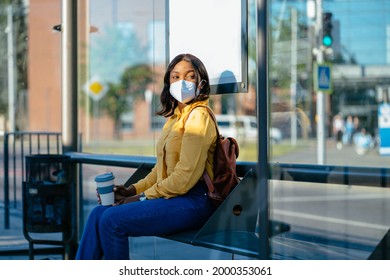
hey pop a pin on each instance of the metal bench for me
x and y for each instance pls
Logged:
(233, 226)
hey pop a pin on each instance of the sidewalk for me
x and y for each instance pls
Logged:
(346, 156)
(13, 244)
(12, 239)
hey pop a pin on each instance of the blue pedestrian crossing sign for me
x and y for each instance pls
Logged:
(323, 78)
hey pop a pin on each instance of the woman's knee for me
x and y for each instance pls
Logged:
(97, 212)
(108, 219)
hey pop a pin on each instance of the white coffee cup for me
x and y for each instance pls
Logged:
(105, 188)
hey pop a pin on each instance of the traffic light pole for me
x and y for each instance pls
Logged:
(321, 145)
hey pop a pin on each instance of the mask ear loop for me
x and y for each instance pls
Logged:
(200, 86)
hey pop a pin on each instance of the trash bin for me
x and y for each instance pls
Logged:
(47, 200)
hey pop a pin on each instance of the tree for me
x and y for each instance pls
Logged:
(135, 79)
(116, 102)
(121, 96)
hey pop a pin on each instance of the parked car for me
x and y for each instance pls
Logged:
(244, 127)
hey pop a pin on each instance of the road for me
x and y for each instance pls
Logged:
(333, 156)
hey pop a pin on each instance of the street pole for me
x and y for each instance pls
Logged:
(321, 145)
(262, 167)
(293, 82)
(11, 70)
(87, 71)
(69, 79)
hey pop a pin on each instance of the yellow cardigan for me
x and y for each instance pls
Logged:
(183, 153)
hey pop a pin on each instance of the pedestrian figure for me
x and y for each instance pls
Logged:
(338, 130)
(349, 127)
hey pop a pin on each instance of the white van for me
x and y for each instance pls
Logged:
(243, 127)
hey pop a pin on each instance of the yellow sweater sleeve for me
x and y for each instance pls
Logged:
(186, 154)
(146, 182)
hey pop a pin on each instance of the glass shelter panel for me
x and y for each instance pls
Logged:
(329, 98)
(329, 221)
(123, 59)
(338, 124)
(123, 55)
(123, 62)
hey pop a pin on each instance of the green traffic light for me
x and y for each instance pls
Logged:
(327, 41)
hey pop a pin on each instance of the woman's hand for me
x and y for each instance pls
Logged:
(121, 192)
(126, 200)
(122, 195)
(98, 197)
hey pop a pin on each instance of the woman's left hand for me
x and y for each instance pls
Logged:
(122, 192)
(126, 200)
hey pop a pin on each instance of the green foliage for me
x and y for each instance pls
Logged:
(131, 87)
(135, 79)
(121, 96)
(115, 101)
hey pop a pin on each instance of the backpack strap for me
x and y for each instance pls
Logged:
(211, 114)
(206, 177)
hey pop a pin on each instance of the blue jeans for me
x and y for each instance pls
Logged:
(108, 227)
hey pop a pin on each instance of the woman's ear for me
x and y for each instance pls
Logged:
(202, 84)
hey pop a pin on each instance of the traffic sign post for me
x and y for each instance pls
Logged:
(96, 90)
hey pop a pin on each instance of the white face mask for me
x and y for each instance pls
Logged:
(183, 91)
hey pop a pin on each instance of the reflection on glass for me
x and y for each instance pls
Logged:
(358, 80)
(328, 221)
(336, 212)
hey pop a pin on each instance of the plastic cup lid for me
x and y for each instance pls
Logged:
(105, 177)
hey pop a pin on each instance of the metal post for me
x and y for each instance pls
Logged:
(11, 69)
(262, 167)
(69, 105)
(84, 7)
(294, 79)
(6, 182)
(69, 75)
(321, 145)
